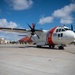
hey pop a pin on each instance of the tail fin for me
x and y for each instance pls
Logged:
(71, 27)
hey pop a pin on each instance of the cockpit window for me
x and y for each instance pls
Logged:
(63, 29)
(60, 30)
(57, 30)
(67, 29)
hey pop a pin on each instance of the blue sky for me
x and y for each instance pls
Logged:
(45, 13)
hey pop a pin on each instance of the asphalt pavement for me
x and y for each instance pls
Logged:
(18, 59)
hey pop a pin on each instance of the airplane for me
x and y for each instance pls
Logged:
(59, 35)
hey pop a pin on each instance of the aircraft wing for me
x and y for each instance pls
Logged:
(13, 30)
(19, 30)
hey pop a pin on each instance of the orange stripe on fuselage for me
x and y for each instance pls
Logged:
(49, 36)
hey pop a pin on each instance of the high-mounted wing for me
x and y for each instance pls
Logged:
(18, 30)
(29, 32)
(32, 31)
(13, 30)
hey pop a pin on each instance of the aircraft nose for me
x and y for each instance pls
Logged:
(74, 36)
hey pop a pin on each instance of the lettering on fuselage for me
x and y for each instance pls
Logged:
(55, 34)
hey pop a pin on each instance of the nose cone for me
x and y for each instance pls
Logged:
(74, 36)
(71, 36)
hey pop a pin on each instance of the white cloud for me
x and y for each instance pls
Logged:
(66, 20)
(64, 14)
(8, 35)
(44, 20)
(66, 11)
(20, 4)
(5, 23)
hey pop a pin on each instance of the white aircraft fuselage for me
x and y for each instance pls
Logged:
(56, 36)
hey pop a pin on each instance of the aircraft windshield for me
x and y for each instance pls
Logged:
(62, 29)
(67, 29)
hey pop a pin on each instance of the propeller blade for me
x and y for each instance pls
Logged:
(29, 26)
(30, 37)
(33, 30)
(38, 36)
(33, 26)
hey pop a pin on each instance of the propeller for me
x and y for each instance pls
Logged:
(32, 29)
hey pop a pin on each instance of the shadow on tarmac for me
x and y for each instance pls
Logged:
(27, 46)
(40, 47)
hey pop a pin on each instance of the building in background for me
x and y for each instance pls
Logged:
(4, 41)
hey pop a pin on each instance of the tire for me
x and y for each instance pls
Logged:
(61, 47)
(38, 46)
(51, 46)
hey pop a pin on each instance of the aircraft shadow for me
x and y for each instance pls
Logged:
(40, 47)
(30, 46)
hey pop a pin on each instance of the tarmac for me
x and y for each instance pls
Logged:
(18, 59)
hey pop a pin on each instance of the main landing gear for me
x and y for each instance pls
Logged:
(51, 46)
(38, 46)
(59, 47)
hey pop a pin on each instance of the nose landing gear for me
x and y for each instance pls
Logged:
(61, 47)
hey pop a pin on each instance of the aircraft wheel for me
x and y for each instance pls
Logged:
(61, 47)
(51, 46)
(38, 46)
